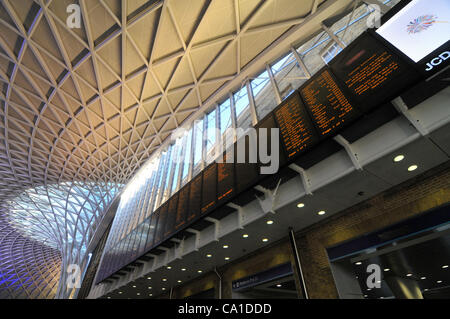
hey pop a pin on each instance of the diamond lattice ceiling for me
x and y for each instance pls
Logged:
(91, 104)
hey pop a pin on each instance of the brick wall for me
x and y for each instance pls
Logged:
(415, 196)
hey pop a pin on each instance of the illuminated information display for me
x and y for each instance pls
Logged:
(246, 173)
(327, 104)
(296, 129)
(183, 202)
(209, 192)
(159, 235)
(195, 196)
(151, 230)
(225, 179)
(370, 72)
(171, 215)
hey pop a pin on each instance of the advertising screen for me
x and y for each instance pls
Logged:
(419, 29)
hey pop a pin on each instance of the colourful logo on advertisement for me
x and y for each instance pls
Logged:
(421, 23)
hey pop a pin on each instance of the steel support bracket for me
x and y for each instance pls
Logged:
(216, 227)
(350, 151)
(401, 107)
(305, 179)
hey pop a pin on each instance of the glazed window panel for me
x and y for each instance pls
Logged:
(241, 104)
(263, 94)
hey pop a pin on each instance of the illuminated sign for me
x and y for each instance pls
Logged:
(419, 29)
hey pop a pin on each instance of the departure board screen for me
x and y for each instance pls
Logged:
(152, 230)
(225, 178)
(209, 192)
(171, 215)
(183, 202)
(247, 173)
(268, 123)
(296, 128)
(160, 227)
(195, 197)
(329, 107)
(371, 72)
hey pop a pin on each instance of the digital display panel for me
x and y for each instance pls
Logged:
(419, 29)
(152, 230)
(195, 197)
(209, 192)
(371, 72)
(183, 202)
(296, 129)
(171, 215)
(247, 173)
(225, 178)
(268, 123)
(328, 106)
(160, 227)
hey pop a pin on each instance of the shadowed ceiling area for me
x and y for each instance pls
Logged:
(82, 108)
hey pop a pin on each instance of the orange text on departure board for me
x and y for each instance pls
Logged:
(327, 103)
(294, 130)
(371, 73)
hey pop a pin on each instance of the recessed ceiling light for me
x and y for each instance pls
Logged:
(108, 297)
(358, 263)
(138, 294)
(149, 278)
(183, 269)
(199, 271)
(225, 246)
(445, 266)
(365, 296)
(163, 289)
(439, 281)
(245, 235)
(386, 269)
(423, 278)
(168, 267)
(300, 205)
(408, 275)
(265, 240)
(208, 255)
(279, 285)
(149, 287)
(399, 158)
(227, 258)
(164, 279)
(369, 289)
(269, 222)
(426, 289)
(134, 286)
(179, 281)
(322, 212)
(120, 292)
(412, 168)
(150, 295)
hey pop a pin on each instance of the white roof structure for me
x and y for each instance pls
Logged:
(82, 107)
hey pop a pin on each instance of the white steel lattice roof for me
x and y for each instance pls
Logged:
(81, 109)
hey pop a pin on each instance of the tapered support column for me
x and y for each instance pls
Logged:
(298, 266)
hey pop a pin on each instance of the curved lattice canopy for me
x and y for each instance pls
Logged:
(28, 268)
(82, 107)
